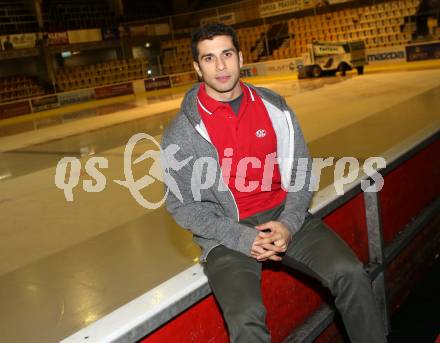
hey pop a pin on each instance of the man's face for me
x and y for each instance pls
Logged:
(219, 65)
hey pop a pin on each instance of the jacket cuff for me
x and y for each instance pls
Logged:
(290, 226)
(246, 239)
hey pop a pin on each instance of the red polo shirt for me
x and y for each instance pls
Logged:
(246, 145)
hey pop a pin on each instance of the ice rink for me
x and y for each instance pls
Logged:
(65, 264)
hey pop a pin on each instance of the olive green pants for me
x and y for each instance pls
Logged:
(316, 251)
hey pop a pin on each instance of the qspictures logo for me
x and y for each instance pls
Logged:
(205, 171)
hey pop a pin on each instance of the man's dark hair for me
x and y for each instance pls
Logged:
(209, 31)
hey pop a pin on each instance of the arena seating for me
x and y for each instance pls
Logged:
(18, 87)
(17, 16)
(379, 25)
(100, 74)
(249, 37)
(141, 10)
(60, 15)
(177, 56)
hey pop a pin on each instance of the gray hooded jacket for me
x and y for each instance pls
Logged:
(211, 213)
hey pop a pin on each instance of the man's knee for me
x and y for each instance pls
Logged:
(243, 317)
(347, 273)
(248, 324)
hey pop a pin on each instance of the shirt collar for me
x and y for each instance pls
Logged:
(210, 105)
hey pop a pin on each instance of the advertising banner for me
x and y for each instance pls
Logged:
(225, 18)
(307, 4)
(15, 109)
(76, 97)
(162, 29)
(386, 55)
(113, 90)
(421, 52)
(248, 71)
(109, 33)
(183, 79)
(45, 103)
(83, 36)
(276, 67)
(57, 38)
(280, 7)
(281, 66)
(20, 41)
(157, 83)
(332, 2)
(141, 30)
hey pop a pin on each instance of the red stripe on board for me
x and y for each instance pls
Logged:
(409, 188)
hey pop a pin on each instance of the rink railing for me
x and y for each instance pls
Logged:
(389, 231)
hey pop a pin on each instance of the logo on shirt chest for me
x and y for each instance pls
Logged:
(260, 133)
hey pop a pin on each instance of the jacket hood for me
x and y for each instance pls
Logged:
(189, 105)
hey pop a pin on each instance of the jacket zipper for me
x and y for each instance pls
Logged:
(206, 137)
(291, 141)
